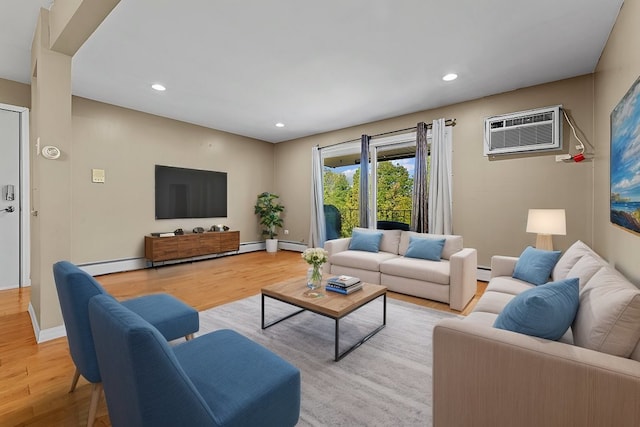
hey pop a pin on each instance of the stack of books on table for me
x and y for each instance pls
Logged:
(343, 284)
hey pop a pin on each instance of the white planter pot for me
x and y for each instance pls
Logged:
(272, 245)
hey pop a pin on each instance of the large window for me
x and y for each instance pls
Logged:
(392, 163)
(394, 166)
(341, 185)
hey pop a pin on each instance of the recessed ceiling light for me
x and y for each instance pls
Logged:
(158, 87)
(279, 125)
(449, 77)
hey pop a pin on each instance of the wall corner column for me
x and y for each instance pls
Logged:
(51, 124)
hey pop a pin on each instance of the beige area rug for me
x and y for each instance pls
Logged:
(384, 382)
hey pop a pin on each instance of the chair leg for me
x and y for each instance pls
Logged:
(93, 406)
(74, 380)
(188, 337)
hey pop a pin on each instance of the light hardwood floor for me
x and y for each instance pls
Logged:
(35, 378)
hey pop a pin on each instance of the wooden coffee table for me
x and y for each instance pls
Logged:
(332, 305)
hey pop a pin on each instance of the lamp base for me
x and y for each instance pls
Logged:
(544, 242)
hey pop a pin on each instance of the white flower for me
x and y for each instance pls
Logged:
(315, 256)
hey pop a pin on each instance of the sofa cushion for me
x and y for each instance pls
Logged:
(569, 259)
(360, 259)
(545, 311)
(368, 241)
(425, 248)
(452, 243)
(607, 319)
(481, 318)
(419, 269)
(508, 285)
(493, 302)
(585, 268)
(390, 239)
(535, 265)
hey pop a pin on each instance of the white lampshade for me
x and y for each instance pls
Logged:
(547, 221)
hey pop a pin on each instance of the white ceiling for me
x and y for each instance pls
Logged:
(242, 66)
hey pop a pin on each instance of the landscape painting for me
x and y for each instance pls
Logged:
(625, 161)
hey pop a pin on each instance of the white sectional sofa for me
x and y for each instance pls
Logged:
(485, 376)
(451, 280)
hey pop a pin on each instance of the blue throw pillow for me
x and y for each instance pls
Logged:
(535, 265)
(425, 248)
(365, 241)
(545, 311)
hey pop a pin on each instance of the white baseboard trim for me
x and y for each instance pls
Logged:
(483, 274)
(43, 335)
(120, 265)
(251, 247)
(291, 246)
(114, 266)
(286, 245)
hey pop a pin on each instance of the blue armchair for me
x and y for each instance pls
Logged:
(217, 379)
(172, 317)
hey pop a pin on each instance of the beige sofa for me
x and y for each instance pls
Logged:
(451, 280)
(484, 376)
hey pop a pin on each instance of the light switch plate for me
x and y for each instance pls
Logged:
(97, 175)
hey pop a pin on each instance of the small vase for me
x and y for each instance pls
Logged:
(314, 282)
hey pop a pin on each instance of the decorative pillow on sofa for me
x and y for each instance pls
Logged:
(607, 320)
(545, 311)
(570, 257)
(425, 248)
(585, 268)
(452, 243)
(365, 241)
(389, 241)
(535, 265)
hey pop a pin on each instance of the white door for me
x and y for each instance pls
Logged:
(9, 199)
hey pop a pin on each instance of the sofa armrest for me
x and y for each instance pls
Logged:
(483, 376)
(337, 245)
(333, 247)
(503, 265)
(463, 266)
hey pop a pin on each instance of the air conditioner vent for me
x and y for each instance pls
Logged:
(533, 130)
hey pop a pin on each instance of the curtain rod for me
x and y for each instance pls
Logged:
(447, 122)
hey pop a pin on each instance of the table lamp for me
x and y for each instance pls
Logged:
(546, 222)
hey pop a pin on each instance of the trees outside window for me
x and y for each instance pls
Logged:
(393, 188)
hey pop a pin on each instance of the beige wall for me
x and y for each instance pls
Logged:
(110, 220)
(491, 197)
(14, 93)
(50, 123)
(618, 68)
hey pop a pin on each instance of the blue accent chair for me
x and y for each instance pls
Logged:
(172, 317)
(218, 379)
(333, 222)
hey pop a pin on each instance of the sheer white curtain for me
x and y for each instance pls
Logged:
(317, 232)
(440, 216)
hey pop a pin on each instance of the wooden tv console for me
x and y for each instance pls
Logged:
(190, 245)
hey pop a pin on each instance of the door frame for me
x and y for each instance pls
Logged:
(25, 195)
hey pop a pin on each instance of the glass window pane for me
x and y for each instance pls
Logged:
(341, 180)
(394, 186)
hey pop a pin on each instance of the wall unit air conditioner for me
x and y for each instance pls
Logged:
(524, 131)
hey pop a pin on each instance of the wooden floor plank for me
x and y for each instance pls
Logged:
(35, 378)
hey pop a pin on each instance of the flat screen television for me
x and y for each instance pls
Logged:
(190, 193)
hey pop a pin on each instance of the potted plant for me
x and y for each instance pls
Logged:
(268, 209)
